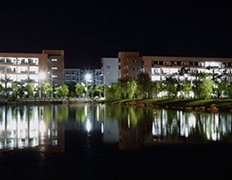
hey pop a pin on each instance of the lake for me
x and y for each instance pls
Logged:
(90, 141)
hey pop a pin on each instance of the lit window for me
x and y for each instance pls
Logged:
(54, 67)
(54, 59)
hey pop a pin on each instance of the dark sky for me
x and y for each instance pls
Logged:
(90, 30)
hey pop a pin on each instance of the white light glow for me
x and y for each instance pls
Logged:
(42, 127)
(88, 77)
(42, 75)
(102, 127)
(88, 125)
(128, 119)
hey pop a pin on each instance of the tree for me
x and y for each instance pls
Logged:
(91, 90)
(72, 87)
(144, 85)
(100, 89)
(113, 92)
(202, 85)
(30, 89)
(127, 87)
(47, 88)
(62, 90)
(170, 85)
(5, 81)
(156, 87)
(14, 90)
(79, 88)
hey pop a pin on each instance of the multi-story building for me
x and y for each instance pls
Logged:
(72, 75)
(55, 66)
(160, 66)
(22, 67)
(76, 75)
(110, 70)
(130, 64)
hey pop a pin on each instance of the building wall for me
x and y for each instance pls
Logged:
(134, 66)
(109, 70)
(72, 75)
(77, 75)
(160, 66)
(122, 65)
(22, 66)
(56, 66)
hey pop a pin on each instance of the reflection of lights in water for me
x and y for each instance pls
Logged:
(42, 128)
(97, 113)
(186, 132)
(88, 125)
(102, 127)
(192, 121)
(128, 121)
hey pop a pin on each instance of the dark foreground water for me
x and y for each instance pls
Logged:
(107, 142)
(87, 158)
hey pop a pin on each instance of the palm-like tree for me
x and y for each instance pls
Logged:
(5, 81)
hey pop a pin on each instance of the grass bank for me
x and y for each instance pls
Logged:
(191, 104)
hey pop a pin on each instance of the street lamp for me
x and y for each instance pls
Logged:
(87, 78)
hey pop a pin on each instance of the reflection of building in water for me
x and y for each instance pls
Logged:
(110, 132)
(129, 138)
(25, 127)
(86, 118)
(109, 128)
(185, 124)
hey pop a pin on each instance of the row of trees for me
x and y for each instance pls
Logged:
(180, 85)
(45, 90)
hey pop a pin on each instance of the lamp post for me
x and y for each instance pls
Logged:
(87, 78)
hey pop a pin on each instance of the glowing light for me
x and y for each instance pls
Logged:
(186, 132)
(88, 125)
(88, 77)
(102, 127)
(128, 121)
(42, 127)
(42, 75)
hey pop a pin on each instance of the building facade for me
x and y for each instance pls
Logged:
(110, 70)
(131, 64)
(160, 66)
(22, 67)
(76, 75)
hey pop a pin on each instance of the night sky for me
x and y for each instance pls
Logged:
(89, 30)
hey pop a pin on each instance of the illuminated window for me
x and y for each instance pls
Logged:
(54, 67)
(54, 59)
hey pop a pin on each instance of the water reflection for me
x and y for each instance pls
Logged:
(143, 126)
(43, 127)
(30, 127)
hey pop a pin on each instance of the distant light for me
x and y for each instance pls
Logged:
(42, 75)
(102, 127)
(42, 127)
(88, 77)
(88, 125)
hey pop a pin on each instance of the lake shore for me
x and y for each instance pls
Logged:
(210, 105)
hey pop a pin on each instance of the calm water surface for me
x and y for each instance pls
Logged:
(90, 141)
